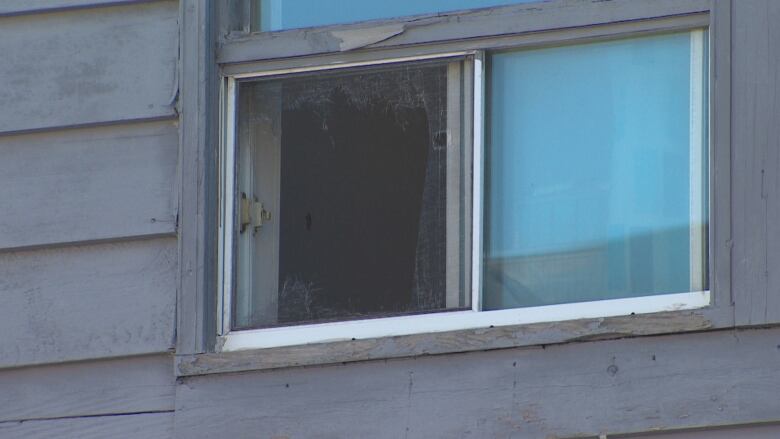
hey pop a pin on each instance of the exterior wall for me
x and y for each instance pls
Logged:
(715, 383)
(568, 390)
(89, 270)
(88, 265)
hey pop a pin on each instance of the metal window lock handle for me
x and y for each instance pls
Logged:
(252, 212)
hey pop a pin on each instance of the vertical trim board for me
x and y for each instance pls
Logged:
(720, 244)
(198, 141)
(756, 165)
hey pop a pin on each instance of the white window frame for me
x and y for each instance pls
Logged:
(233, 340)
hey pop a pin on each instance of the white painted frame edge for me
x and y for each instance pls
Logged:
(478, 145)
(457, 320)
(698, 256)
(227, 184)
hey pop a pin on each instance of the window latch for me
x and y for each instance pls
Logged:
(252, 212)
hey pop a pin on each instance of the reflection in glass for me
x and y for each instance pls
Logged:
(274, 15)
(596, 167)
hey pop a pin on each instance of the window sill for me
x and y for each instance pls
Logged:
(467, 340)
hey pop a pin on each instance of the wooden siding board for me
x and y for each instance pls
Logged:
(117, 386)
(145, 425)
(756, 164)
(88, 184)
(86, 302)
(88, 66)
(18, 7)
(568, 390)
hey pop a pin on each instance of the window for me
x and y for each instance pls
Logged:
(596, 172)
(350, 193)
(464, 189)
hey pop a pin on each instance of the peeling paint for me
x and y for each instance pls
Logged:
(352, 39)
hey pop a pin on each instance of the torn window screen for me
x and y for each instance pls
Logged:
(353, 167)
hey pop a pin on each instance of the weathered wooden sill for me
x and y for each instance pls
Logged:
(530, 335)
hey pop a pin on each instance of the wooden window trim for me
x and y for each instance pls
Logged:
(554, 22)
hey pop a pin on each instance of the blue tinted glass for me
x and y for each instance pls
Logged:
(596, 172)
(291, 14)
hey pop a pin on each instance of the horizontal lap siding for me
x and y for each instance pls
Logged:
(88, 184)
(88, 254)
(146, 426)
(88, 66)
(570, 390)
(116, 386)
(83, 302)
(756, 161)
(18, 7)
(88, 257)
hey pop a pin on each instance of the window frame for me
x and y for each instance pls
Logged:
(227, 268)
(390, 326)
(551, 23)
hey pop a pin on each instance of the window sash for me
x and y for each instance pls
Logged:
(411, 324)
(229, 245)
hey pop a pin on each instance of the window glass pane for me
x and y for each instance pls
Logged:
(596, 172)
(361, 172)
(290, 14)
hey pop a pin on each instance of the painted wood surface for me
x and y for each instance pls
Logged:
(88, 66)
(533, 17)
(196, 315)
(742, 432)
(117, 386)
(447, 342)
(88, 184)
(568, 390)
(720, 156)
(17, 7)
(145, 425)
(83, 302)
(756, 161)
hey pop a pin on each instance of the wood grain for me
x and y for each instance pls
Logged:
(449, 342)
(18, 7)
(88, 184)
(117, 386)
(756, 161)
(87, 302)
(196, 314)
(146, 426)
(568, 390)
(506, 20)
(88, 66)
